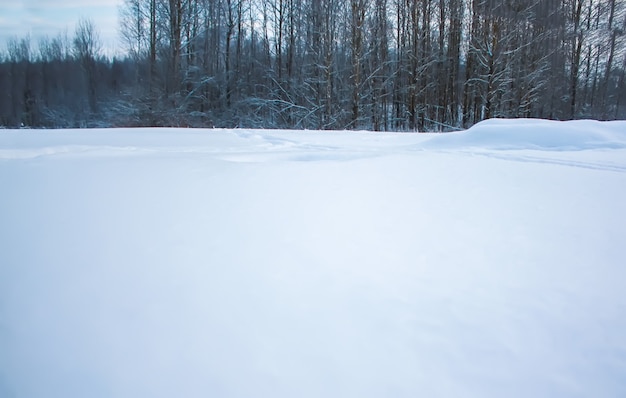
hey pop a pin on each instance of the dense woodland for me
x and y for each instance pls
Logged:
(405, 65)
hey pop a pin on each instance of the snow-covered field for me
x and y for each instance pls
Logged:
(239, 263)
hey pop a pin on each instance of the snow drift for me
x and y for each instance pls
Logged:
(537, 134)
(239, 263)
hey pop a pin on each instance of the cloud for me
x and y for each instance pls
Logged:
(55, 4)
(39, 18)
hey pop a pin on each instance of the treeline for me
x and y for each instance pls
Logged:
(426, 65)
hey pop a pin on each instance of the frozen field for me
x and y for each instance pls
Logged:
(149, 263)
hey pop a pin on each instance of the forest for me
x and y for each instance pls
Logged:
(383, 65)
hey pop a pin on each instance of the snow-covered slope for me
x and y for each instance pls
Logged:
(246, 263)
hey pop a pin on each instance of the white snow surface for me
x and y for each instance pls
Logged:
(250, 263)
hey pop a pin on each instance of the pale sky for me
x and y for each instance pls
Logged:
(51, 17)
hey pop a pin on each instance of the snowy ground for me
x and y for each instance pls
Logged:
(240, 263)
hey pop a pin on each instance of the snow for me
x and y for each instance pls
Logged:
(538, 134)
(240, 263)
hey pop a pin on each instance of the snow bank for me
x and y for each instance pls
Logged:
(539, 134)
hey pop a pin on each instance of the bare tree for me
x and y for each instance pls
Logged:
(428, 65)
